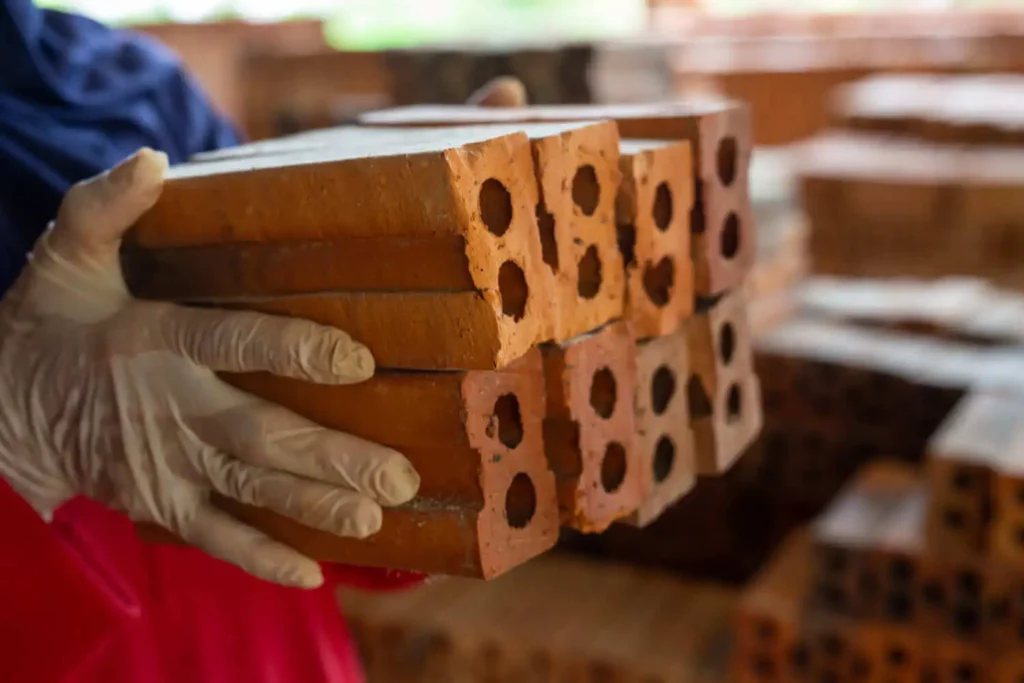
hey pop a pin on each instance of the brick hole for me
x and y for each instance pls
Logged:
(901, 570)
(506, 421)
(968, 583)
(726, 157)
(546, 228)
(763, 666)
(659, 280)
(586, 190)
(897, 655)
(836, 561)
(1020, 495)
(495, 206)
(831, 645)
(730, 237)
(513, 290)
(934, 594)
(733, 402)
(664, 458)
(663, 388)
(861, 669)
(613, 467)
(766, 630)
(1020, 631)
(603, 393)
(828, 677)
(954, 519)
(898, 606)
(799, 658)
(588, 271)
(662, 210)
(966, 619)
(726, 342)
(698, 223)
(965, 673)
(520, 501)
(626, 237)
(962, 480)
(999, 609)
(697, 397)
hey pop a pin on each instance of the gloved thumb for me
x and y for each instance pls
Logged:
(96, 213)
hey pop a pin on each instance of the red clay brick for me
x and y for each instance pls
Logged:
(723, 391)
(719, 133)
(664, 438)
(975, 437)
(487, 500)
(652, 215)
(576, 170)
(589, 427)
(446, 217)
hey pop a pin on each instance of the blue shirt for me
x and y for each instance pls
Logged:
(76, 98)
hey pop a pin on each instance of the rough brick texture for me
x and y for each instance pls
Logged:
(652, 214)
(664, 439)
(589, 427)
(487, 499)
(576, 171)
(723, 390)
(719, 133)
(444, 256)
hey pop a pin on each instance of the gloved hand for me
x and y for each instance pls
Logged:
(116, 398)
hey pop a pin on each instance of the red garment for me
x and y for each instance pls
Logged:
(83, 600)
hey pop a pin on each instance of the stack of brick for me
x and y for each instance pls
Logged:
(985, 109)
(687, 242)
(534, 376)
(869, 593)
(835, 397)
(555, 619)
(961, 309)
(925, 181)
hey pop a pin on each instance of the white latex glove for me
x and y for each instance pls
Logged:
(116, 398)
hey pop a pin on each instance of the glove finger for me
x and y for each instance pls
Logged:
(328, 508)
(269, 436)
(95, 213)
(500, 92)
(228, 539)
(244, 341)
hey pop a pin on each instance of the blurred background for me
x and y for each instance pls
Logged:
(887, 180)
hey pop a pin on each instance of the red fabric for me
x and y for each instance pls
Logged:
(84, 601)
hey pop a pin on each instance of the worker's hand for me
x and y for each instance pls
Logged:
(116, 398)
(503, 91)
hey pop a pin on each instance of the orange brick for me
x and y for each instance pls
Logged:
(652, 215)
(719, 133)
(487, 499)
(664, 439)
(589, 427)
(977, 435)
(456, 209)
(723, 392)
(576, 170)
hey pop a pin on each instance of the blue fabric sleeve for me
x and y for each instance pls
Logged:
(76, 97)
